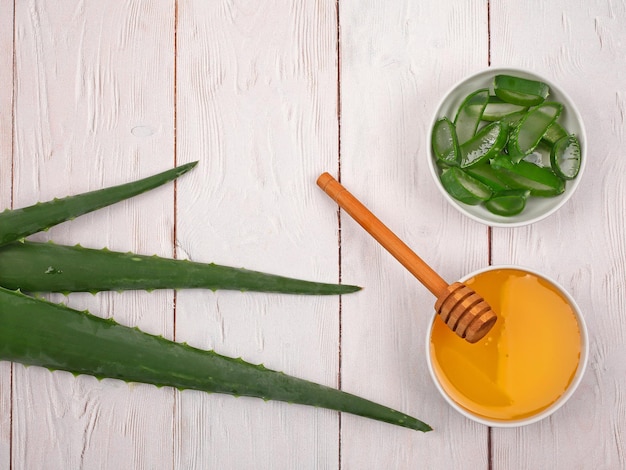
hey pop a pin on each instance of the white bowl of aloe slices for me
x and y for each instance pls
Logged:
(507, 147)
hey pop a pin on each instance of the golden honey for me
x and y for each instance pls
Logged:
(528, 359)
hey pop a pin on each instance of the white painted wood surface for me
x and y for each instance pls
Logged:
(267, 95)
(6, 161)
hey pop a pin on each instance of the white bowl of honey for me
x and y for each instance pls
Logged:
(527, 366)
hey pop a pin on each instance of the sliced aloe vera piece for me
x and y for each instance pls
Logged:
(554, 133)
(540, 155)
(469, 114)
(529, 131)
(445, 143)
(520, 91)
(565, 157)
(514, 118)
(524, 175)
(488, 176)
(464, 187)
(496, 109)
(488, 143)
(508, 203)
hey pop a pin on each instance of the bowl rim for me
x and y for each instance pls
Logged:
(572, 185)
(578, 376)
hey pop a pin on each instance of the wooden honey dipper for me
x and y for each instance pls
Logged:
(462, 309)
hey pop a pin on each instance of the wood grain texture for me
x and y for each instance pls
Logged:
(88, 78)
(581, 46)
(268, 95)
(257, 104)
(397, 59)
(6, 162)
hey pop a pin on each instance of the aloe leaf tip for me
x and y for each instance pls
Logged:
(41, 333)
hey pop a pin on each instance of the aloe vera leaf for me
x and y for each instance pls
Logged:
(47, 267)
(19, 223)
(36, 332)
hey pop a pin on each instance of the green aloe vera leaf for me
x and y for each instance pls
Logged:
(520, 91)
(469, 114)
(497, 109)
(19, 223)
(554, 133)
(36, 332)
(565, 157)
(525, 175)
(508, 202)
(528, 132)
(513, 119)
(47, 267)
(463, 187)
(483, 173)
(486, 143)
(445, 143)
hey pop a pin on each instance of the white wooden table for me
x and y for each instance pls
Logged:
(267, 95)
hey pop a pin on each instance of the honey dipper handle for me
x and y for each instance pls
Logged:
(383, 235)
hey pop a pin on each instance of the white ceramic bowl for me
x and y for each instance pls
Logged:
(537, 208)
(582, 363)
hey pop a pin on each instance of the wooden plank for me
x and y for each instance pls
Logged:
(257, 104)
(94, 107)
(581, 46)
(397, 61)
(6, 177)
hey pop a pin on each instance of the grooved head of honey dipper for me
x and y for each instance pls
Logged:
(465, 312)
